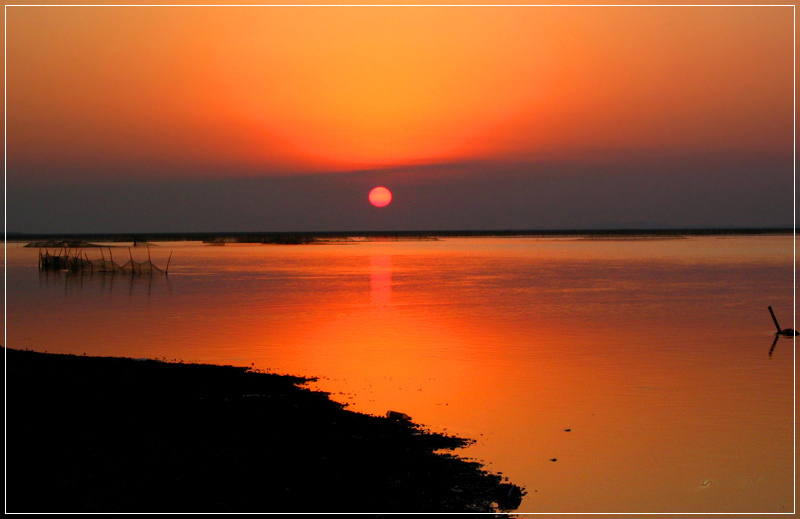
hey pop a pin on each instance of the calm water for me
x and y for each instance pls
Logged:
(657, 355)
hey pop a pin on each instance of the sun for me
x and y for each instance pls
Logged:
(380, 197)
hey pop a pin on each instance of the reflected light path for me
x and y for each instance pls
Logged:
(380, 277)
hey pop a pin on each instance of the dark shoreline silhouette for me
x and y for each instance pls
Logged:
(310, 237)
(102, 434)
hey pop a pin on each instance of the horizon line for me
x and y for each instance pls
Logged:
(181, 236)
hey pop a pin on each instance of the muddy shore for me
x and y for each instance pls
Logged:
(101, 434)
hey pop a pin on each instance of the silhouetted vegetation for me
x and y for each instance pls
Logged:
(289, 239)
(73, 260)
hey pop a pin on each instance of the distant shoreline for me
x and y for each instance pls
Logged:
(309, 237)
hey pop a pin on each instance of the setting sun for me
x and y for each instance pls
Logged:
(380, 197)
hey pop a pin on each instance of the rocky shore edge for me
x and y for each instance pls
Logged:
(107, 434)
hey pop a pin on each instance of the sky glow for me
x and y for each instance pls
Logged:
(100, 96)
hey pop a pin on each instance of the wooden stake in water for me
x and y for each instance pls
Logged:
(774, 319)
(786, 331)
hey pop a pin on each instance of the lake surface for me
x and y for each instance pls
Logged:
(647, 369)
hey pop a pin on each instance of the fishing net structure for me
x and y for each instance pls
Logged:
(78, 261)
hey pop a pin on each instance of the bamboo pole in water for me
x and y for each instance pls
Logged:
(774, 320)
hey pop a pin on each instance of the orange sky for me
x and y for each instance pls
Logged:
(273, 89)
